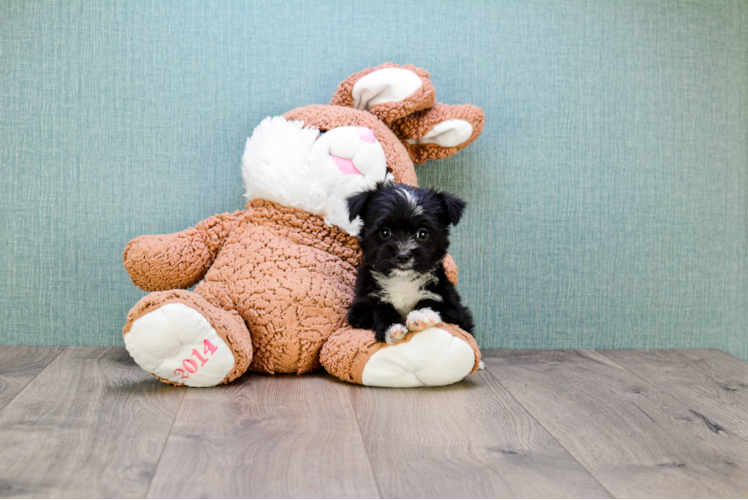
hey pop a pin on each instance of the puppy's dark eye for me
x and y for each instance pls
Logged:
(385, 233)
(422, 234)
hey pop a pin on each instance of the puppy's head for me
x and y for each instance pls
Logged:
(404, 229)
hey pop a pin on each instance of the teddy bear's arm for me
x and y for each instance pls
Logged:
(177, 260)
(450, 269)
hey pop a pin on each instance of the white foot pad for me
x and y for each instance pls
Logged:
(432, 357)
(420, 319)
(396, 332)
(176, 343)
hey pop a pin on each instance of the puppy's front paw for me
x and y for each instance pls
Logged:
(420, 319)
(395, 332)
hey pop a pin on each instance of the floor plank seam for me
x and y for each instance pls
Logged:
(34, 378)
(708, 422)
(166, 442)
(550, 434)
(363, 442)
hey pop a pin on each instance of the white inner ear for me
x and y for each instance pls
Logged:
(384, 85)
(447, 134)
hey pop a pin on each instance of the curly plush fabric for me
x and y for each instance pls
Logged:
(280, 271)
(277, 281)
(290, 277)
(450, 269)
(418, 124)
(388, 112)
(283, 270)
(179, 260)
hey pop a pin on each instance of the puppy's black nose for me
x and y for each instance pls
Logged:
(402, 257)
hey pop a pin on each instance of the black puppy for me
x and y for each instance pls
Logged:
(401, 284)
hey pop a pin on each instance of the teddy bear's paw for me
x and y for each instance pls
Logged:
(176, 343)
(420, 319)
(395, 332)
(432, 357)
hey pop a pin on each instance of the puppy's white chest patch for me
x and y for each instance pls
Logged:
(405, 289)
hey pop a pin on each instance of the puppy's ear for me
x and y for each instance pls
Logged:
(357, 205)
(454, 207)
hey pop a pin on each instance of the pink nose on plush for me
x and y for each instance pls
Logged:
(366, 135)
(345, 165)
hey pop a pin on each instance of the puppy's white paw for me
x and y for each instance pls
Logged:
(420, 319)
(481, 365)
(395, 332)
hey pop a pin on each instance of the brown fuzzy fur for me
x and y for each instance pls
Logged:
(420, 123)
(389, 111)
(277, 281)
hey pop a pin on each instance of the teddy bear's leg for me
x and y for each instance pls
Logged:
(435, 356)
(183, 339)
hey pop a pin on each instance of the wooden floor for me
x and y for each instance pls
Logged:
(87, 422)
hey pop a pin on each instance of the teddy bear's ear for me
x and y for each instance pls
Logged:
(440, 131)
(389, 91)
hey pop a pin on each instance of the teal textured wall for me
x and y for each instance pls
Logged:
(608, 194)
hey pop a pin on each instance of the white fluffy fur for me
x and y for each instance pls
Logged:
(395, 332)
(411, 200)
(384, 85)
(283, 162)
(447, 134)
(405, 289)
(420, 319)
(276, 149)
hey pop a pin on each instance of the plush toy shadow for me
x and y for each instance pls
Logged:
(276, 279)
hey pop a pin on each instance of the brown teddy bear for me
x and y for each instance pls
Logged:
(276, 279)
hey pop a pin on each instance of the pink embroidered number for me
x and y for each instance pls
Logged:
(209, 347)
(197, 355)
(190, 365)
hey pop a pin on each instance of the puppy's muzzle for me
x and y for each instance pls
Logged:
(402, 258)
